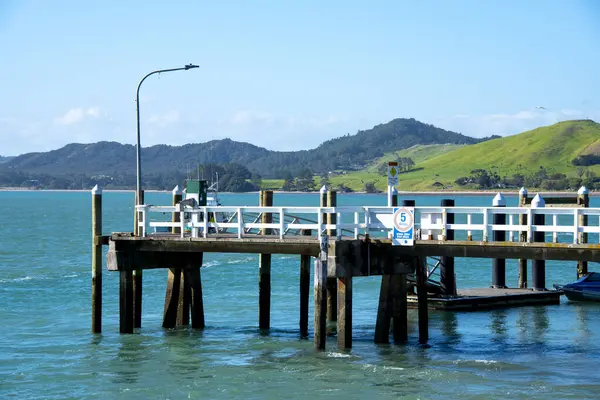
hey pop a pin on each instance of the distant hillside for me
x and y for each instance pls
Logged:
(5, 159)
(550, 148)
(347, 152)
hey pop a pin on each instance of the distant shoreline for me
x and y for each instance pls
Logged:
(400, 193)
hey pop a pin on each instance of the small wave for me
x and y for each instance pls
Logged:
(25, 278)
(486, 362)
(338, 355)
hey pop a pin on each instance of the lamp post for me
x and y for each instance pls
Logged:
(138, 193)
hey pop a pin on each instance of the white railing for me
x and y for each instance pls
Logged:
(432, 222)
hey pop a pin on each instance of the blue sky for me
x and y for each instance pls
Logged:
(288, 75)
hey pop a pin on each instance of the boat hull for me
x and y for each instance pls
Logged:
(581, 295)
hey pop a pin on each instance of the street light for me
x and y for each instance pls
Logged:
(138, 193)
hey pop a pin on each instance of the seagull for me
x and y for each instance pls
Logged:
(541, 108)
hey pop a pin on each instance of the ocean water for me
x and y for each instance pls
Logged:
(48, 352)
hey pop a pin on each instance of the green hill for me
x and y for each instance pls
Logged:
(551, 148)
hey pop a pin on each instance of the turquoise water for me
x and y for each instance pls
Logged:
(48, 352)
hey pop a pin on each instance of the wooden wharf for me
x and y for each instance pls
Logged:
(343, 243)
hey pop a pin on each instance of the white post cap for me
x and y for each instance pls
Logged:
(499, 200)
(97, 189)
(582, 190)
(323, 189)
(523, 192)
(176, 190)
(538, 202)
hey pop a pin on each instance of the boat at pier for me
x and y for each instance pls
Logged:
(586, 288)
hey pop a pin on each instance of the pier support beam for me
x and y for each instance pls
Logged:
(420, 272)
(304, 289)
(447, 278)
(96, 259)
(392, 310)
(320, 295)
(172, 298)
(196, 301)
(264, 273)
(126, 302)
(344, 308)
(183, 300)
(522, 238)
(499, 264)
(583, 200)
(138, 273)
(538, 267)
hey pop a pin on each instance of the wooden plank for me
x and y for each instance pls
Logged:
(344, 308)
(583, 200)
(172, 298)
(304, 290)
(320, 296)
(126, 301)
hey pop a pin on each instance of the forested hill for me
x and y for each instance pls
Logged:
(347, 152)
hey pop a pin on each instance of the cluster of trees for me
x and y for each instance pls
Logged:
(586, 160)
(303, 182)
(542, 178)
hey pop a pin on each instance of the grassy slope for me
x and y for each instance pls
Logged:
(552, 147)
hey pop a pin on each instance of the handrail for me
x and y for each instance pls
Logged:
(361, 220)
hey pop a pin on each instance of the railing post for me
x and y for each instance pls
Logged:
(499, 264)
(522, 238)
(177, 196)
(583, 200)
(447, 278)
(538, 267)
(96, 259)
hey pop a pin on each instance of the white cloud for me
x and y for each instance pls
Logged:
(509, 124)
(164, 120)
(75, 115)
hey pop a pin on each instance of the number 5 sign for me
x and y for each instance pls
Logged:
(404, 226)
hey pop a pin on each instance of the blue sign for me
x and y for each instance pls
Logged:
(404, 226)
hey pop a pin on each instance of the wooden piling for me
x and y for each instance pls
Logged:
(320, 295)
(96, 259)
(172, 298)
(264, 260)
(499, 264)
(138, 274)
(400, 309)
(447, 277)
(384, 311)
(196, 301)
(183, 300)
(420, 271)
(304, 289)
(523, 238)
(538, 267)
(126, 320)
(583, 200)
(344, 308)
(332, 283)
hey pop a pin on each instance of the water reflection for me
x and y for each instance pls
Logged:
(498, 325)
(449, 327)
